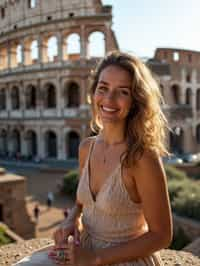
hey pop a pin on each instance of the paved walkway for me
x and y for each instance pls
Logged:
(38, 184)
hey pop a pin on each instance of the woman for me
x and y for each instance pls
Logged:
(122, 196)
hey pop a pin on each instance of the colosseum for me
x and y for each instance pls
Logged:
(46, 55)
(178, 72)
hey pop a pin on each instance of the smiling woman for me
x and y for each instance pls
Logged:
(122, 215)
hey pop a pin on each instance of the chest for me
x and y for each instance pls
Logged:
(101, 174)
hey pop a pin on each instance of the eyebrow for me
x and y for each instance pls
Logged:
(121, 86)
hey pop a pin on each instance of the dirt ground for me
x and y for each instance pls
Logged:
(39, 183)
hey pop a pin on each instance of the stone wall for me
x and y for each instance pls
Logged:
(13, 210)
(190, 227)
(14, 252)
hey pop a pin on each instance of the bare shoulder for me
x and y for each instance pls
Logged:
(149, 159)
(84, 149)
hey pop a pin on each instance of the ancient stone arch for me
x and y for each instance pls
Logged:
(198, 99)
(51, 144)
(175, 90)
(188, 96)
(72, 143)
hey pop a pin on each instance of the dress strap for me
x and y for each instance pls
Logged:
(93, 140)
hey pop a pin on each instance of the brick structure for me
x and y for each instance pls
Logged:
(12, 205)
(44, 111)
(178, 72)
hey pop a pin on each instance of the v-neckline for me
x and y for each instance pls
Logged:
(94, 197)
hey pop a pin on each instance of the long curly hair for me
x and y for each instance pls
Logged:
(146, 124)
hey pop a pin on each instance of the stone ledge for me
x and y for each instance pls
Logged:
(13, 252)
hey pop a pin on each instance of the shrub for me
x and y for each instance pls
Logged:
(70, 183)
(174, 173)
(180, 240)
(184, 193)
(4, 239)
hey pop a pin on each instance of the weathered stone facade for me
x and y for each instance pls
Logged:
(13, 210)
(178, 72)
(44, 111)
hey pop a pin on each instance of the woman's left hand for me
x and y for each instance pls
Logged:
(69, 255)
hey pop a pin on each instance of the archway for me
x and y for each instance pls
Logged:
(73, 141)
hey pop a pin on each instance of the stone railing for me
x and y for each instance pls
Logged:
(190, 227)
(12, 253)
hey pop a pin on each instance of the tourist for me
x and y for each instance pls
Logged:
(36, 212)
(50, 199)
(122, 202)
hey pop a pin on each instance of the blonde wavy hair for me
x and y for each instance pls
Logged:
(146, 124)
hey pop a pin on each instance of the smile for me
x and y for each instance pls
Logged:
(108, 109)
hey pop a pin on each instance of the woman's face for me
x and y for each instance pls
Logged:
(112, 97)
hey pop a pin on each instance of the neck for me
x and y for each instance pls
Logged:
(112, 137)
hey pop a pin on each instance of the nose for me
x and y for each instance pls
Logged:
(110, 95)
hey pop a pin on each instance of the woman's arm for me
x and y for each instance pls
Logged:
(151, 183)
(70, 224)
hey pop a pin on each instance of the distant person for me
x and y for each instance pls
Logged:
(36, 212)
(50, 199)
(65, 212)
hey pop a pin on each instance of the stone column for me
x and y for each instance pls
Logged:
(9, 54)
(8, 98)
(60, 98)
(41, 52)
(61, 144)
(108, 39)
(60, 46)
(84, 43)
(41, 143)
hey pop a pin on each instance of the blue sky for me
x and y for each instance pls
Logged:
(143, 25)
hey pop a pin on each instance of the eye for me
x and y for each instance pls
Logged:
(101, 89)
(125, 92)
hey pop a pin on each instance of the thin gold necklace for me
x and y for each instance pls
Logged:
(104, 149)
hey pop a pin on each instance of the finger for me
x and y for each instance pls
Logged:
(70, 250)
(76, 236)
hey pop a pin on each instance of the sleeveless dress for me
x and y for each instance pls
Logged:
(110, 219)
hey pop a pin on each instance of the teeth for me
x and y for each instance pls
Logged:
(108, 109)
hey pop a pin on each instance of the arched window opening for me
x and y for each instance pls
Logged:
(176, 56)
(176, 94)
(188, 78)
(3, 58)
(96, 46)
(198, 134)
(2, 99)
(31, 141)
(34, 51)
(72, 98)
(15, 98)
(50, 96)
(73, 47)
(176, 140)
(73, 144)
(51, 144)
(3, 143)
(52, 49)
(19, 54)
(188, 99)
(31, 97)
(16, 143)
(32, 3)
(198, 99)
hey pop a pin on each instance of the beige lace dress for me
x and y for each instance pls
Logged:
(108, 220)
(112, 217)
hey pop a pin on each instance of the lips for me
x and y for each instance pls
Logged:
(108, 109)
